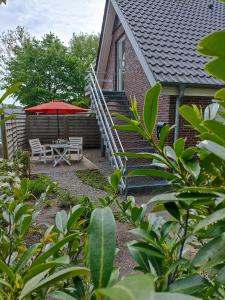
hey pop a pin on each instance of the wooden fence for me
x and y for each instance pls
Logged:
(45, 128)
(13, 132)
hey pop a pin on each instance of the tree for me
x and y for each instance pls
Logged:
(9, 41)
(84, 47)
(48, 70)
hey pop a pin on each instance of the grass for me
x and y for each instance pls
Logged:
(95, 179)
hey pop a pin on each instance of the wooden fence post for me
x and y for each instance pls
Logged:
(4, 139)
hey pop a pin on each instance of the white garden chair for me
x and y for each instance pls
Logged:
(38, 149)
(76, 145)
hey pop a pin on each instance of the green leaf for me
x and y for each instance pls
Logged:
(25, 223)
(216, 68)
(179, 146)
(140, 257)
(131, 287)
(192, 285)
(213, 218)
(163, 135)
(5, 283)
(74, 216)
(150, 110)
(21, 209)
(115, 179)
(173, 296)
(11, 90)
(213, 44)
(154, 173)
(211, 111)
(61, 220)
(25, 258)
(61, 275)
(211, 254)
(193, 167)
(173, 210)
(220, 94)
(33, 271)
(102, 246)
(58, 295)
(191, 116)
(216, 127)
(221, 275)
(214, 148)
(5, 269)
(54, 249)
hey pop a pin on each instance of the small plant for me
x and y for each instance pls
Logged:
(95, 179)
(23, 158)
(40, 185)
(66, 199)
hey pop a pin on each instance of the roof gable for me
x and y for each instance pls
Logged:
(168, 31)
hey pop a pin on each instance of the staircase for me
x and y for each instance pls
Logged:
(105, 103)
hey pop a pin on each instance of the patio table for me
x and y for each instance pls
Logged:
(61, 151)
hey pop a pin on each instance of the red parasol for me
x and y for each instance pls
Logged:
(56, 107)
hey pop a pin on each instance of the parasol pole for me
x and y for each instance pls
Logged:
(58, 121)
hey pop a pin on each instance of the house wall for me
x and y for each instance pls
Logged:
(184, 130)
(136, 84)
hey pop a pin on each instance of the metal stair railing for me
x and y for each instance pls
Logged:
(100, 106)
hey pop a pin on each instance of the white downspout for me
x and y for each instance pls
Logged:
(177, 115)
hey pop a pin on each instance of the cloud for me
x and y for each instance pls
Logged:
(63, 17)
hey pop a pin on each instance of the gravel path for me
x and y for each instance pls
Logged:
(68, 180)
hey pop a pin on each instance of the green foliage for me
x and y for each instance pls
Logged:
(40, 185)
(58, 71)
(95, 179)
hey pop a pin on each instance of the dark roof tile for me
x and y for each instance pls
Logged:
(168, 32)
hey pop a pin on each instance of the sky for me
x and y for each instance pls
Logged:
(62, 17)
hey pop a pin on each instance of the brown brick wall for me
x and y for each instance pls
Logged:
(185, 131)
(136, 84)
(111, 65)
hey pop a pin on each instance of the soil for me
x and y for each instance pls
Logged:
(69, 181)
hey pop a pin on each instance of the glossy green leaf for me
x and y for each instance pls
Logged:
(211, 111)
(33, 271)
(211, 219)
(211, 254)
(213, 44)
(190, 115)
(11, 90)
(5, 269)
(193, 167)
(61, 220)
(163, 135)
(25, 223)
(74, 216)
(220, 278)
(216, 68)
(61, 275)
(150, 110)
(220, 94)
(58, 295)
(173, 296)
(214, 148)
(173, 210)
(131, 287)
(216, 127)
(102, 245)
(192, 285)
(25, 258)
(179, 146)
(54, 249)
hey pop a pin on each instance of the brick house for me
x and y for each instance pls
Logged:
(148, 41)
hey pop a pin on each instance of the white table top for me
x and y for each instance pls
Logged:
(59, 146)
